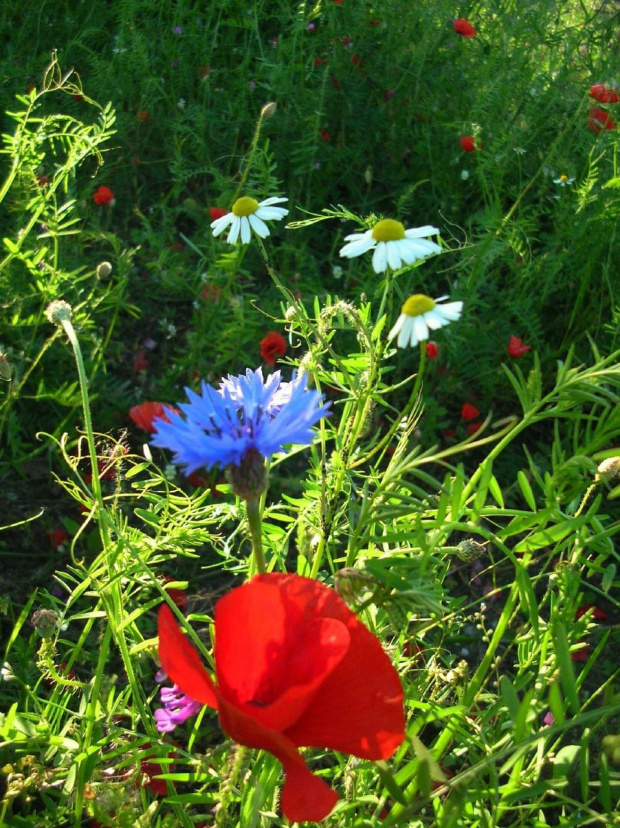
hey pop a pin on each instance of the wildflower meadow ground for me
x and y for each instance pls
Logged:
(310, 414)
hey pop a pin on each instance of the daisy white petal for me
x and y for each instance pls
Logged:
(219, 225)
(393, 254)
(234, 230)
(273, 200)
(397, 326)
(421, 232)
(259, 226)
(271, 213)
(379, 258)
(246, 230)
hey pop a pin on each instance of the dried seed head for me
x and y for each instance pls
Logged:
(58, 312)
(607, 469)
(268, 110)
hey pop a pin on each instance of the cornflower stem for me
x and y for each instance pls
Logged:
(253, 510)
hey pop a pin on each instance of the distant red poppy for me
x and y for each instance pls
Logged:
(140, 362)
(294, 667)
(582, 653)
(597, 615)
(158, 787)
(464, 28)
(516, 348)
(603, 94)
(599, 119)
(472, 428)
(144, 116)
(338, 2)
(325, 136)
(217, 212)
(57, 537)
(272, 346)
(103, 196)
(319, 61)
(335, 82)
(469, 143)
(469, 412)
(432, 351)
(146, 413)
(356, 60)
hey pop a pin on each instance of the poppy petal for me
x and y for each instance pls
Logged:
(358, 708)
(181, 662)
(271, 654)
(305, 797)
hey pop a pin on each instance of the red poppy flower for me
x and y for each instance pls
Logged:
(598, 120)
(294, 667)
(516, 348)
(469, 412)
(319, 61)
(139, 361)
(603, 94)
(144, 116)
(582, 654)
(57, 537)
(272, 346)
(158, 787)
(325, 136)
(103, 196)
(432, 351)
(464, 28)
(217, 212)
(472, 428)
(469, 143)
(336, 83)
(144, 414)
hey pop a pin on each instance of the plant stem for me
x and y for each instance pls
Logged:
(254, 521)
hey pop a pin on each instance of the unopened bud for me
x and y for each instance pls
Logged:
(470, 550)
(45, 622)
(607, 469)
(104, 269)
(58, 312)
(268, 110)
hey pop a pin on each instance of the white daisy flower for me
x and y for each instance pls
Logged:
(421, 314)
(563, 180)
(248, 214)
(393, 245)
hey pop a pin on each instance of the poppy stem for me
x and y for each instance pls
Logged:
(254, 522)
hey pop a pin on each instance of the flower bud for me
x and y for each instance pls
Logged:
(607, 469)
(268, 110)
(45, 622)
(104, 269)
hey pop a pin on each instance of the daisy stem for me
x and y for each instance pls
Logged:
(272, 272)
(250, 156)
(387, 301)
(254, 521)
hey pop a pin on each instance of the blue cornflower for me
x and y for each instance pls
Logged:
(245, 417)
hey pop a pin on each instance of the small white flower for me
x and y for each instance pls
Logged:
(464, 175)
(421, 314)
(181, 103)
(393, 245)
(563, 180)
(520, 150)
(246, 215)
(337, 272)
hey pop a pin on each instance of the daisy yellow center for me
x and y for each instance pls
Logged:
(418, 304)
(388, 230)
(563, 179)
(245, 206)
